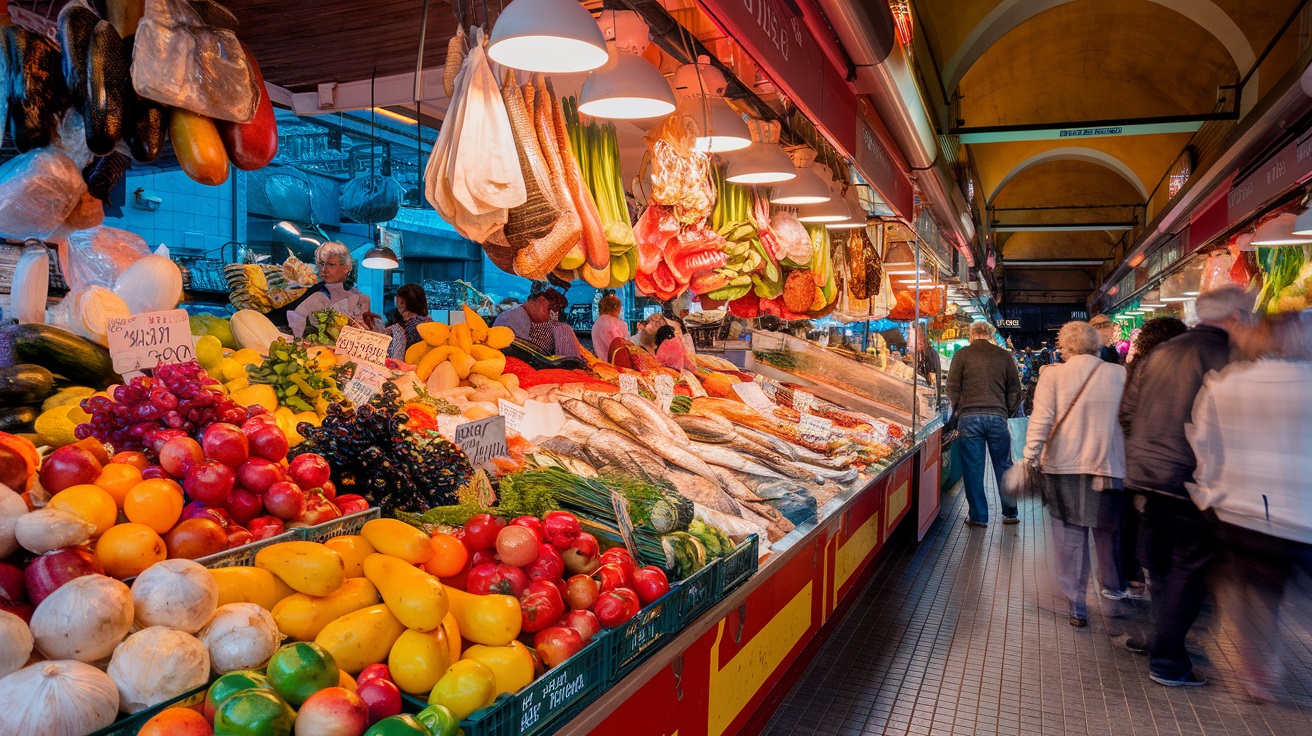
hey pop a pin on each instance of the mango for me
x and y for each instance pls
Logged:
(308, 567)
(414, 596)
(353, 548)
(398, 539)
(302, 616)
(493, 620)
(419, 659)
(512, 665)
(250, 585)
(361, 638)
(257, 393)
(434, 333)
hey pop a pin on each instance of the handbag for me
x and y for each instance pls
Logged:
(1024, 479)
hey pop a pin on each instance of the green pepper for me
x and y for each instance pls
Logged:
(439, 720)
(402, 725)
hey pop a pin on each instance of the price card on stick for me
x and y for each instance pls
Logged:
(804, 402)
(363, 346)
(482, 440)
(664, 392)
(816, 429)
(513, 414)
(628, 383)
(367, 381)
(148, 339)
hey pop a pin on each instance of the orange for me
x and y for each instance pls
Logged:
(134, 458)
(177, 722)
(117, 479)
(449, 556)
(127, 549)
(157, 503)
(91, 503)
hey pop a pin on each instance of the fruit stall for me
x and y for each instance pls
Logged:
(263, 517)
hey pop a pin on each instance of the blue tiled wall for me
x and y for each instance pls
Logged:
(192, 218)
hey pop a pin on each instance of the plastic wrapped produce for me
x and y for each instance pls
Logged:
(97, 256)
(38, 190)
(371, 199)
(180, 60)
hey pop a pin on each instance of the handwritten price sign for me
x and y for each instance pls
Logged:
(367, 381)
(363, 346)
(628, 383)
(664, 392)
(149, 339)
(482, 440)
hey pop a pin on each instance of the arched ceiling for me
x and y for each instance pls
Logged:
(1019, 71)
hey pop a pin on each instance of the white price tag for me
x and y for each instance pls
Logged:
(367, 381)
(664, 391)
(363, 346)
(513, 413)
(149, 339)
(753, 396)
(482, 440)
(628, 383)
(816, 428)
(804, 402)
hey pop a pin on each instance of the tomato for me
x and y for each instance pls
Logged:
(615, 607)
(487, 579)
(584, 622)
(541, 606)
(531, 522)
(557, 644)
(561, 528)
(517, 545)
(481, 531)
(301, 669)
(610, 577)
(581, 592)
(449, 556)
(548, 566)
(620, 557)
(650, 583)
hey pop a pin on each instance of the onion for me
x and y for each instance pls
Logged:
(12, 508)
(84, 619)
(15, 643)
(49, 529)
(59, 698)
(157, 664)
(179, 594)
(240, 636)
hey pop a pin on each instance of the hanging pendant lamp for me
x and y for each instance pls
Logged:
(550, 36)
(858, 214)
(764, 162)
(807, 187)
(832, 210)
(628, 87)
(380, 257)
(1279, 230)
(719, 128)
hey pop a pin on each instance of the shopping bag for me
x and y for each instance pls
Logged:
(1018, 426)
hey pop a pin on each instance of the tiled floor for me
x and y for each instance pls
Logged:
(965, 633)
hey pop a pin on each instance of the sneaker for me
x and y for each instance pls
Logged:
(1116, 595)
(1079, 622)
(1136, 646)
(1193, 679)
(976, 524)
(1010, 520)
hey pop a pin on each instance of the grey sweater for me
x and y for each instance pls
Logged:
(983, 379)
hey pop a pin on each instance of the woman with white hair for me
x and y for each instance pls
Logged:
(335, 289)
(1075, 440)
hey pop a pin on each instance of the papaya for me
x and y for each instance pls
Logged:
(354, 549)
(199, 147)
(416, 598)
(499, 337)
(252, 145)
(398, 539)
(107, 86)
(250, 585)
(77, 23)
(302, 616)
(308, 567)
(37, 93)
(361, 638)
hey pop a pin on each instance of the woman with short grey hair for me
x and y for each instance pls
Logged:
(1075, 440)
(335, 265)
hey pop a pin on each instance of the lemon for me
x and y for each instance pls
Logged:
(209, 351)
(55, 427)
(230, 369)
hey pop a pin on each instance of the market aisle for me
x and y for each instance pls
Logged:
(966, 634)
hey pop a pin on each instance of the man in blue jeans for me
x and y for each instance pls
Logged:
(984, 387)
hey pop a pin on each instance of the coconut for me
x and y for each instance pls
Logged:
(240, 636)
(84, 619)
(157, 664)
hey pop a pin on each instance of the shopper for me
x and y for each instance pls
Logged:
(1109, 333)
(1252, 435)
(670, 350)
(1159, 462)
(537, 321)
(1075, 441)
(984, 388)
(412, 308)
(608, 327)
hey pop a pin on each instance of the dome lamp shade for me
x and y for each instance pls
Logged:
(701, 88)
(1279, 230)
(808, 187)
(765, 162)
(380, 257)
(550, 36)
(628, 87)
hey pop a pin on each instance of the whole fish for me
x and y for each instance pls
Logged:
(656, 442)
(704, 491)
(608, 447)
(587, 413)
(722, 456)
(843, 476)
(768, 441)
(773, 460)
(648, 411)
(573, 430)
(563, 446)
(706, 429)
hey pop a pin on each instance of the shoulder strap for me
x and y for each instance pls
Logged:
(1057, 424)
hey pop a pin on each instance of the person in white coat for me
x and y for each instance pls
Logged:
(1252, 434)
(1083, 462)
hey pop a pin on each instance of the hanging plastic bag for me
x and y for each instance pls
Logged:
(96, 257)
(37, 191)
(1216, 271)
(181, 60)
(371, 199)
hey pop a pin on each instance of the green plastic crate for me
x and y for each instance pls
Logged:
(350, 524)
(631, 644)
(737, 567)
(244, 556)
(130, 725)
(691, 597)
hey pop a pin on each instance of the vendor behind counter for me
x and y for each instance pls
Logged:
(537, 321)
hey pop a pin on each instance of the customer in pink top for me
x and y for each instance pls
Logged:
(671, 351)
(608, 327)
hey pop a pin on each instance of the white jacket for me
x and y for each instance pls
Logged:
(1252, 435)
(1090, 441)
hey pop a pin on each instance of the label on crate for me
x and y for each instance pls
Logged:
(145, 340)
(628, 383)
(551, 694)
(753, 396)
(625, 523)
(664, 391)
(367, 380)
(482, 440)
(362, 345)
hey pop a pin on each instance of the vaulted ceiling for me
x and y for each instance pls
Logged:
(1014, 72)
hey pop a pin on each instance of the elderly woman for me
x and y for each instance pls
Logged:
(1075, 440)
(335, 289)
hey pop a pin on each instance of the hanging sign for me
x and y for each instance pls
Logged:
(148, 339)
(362, 345)
(482, 440)
(1280, 173)
(367, 380)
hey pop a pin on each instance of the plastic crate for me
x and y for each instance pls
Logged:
(350, 524)
(130, 725)
(631, 644)
(737, 567)
(692, 596)
(244, 556)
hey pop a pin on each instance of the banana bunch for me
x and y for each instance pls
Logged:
(249, 287)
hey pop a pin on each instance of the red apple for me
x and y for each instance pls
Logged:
(239, 535)
(242, 505)
(209, 481)
(152, 472)
(269, 442)
(12, 587)
(582, 556)
(351, 503)
(178, 454)
(383, 698)
(284, 500)
(263, 527)
(226, 444)
(193, 538)
(584, 622)
(555, 644)
(67, 467)
(309, 470)
(257, 474)
(372, 671)
(333, 711)
(47, 572)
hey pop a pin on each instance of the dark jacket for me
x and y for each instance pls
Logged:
(1159, 401)
(1110, 354)
(983, 380)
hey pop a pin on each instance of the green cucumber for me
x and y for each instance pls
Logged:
(78, 359)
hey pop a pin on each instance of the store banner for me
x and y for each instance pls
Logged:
(880, 168)
(774, 33)
(1283, 171)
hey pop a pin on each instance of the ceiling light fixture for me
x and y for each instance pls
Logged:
(1279, 230)
(628, 87)
(764, 162)
(808, 187)
(834, 210)
(380, 257)
(701, 87)
(550, 36)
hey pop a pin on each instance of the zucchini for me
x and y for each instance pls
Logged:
(18, 419)
(25, 383)
(107, 87)
(59, 350)
(147, 121)
(76, 24)
(37, 94)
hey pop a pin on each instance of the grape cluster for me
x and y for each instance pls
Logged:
(177, 401)
(373, 454)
